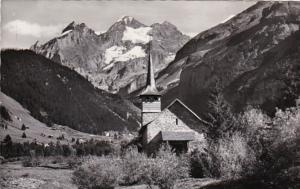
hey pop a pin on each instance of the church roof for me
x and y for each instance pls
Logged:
(179, 112)
(176, 136)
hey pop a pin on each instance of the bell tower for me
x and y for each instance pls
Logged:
(151, 99)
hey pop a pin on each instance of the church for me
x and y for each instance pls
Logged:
(176, 124)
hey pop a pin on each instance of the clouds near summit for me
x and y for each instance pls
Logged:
(22, 27)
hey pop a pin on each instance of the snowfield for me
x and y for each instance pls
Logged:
(65, 33)
(116, 54)
(135, 52)
(170, 57)
(139, 35)
(112, 53)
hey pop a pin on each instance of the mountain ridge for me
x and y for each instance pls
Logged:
(115, 60)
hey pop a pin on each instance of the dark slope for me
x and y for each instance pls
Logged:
(54, 93)
(254, 55)
(276, 83)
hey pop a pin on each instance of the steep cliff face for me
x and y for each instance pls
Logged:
(255, 55)
(115, 60)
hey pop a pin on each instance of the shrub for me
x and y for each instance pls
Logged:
(133, 168)
(285, 144)
(202, 164)
(167, 167)
(31, 162)
(235, 157)
(98, 173)
(274, 140)
(134, 165)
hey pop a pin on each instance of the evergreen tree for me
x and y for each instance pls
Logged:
(23, 127)
(7, 139)
(221, 116)
(24, 135)
(5, 114)
(77, 142)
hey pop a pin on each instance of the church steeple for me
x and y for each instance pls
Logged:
(151, 104)
(150, 83)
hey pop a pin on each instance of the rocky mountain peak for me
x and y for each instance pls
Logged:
(166, 30)
(125, 21)
(35, 45)
(70, 26)
(73, 26)
(278, 9)
(166, 23)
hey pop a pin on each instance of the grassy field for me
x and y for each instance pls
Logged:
(15, 176)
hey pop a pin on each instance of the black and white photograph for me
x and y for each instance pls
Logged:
(124, 94)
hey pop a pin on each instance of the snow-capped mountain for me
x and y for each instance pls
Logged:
(116, 59)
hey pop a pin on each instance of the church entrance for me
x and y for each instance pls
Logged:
(179, 146)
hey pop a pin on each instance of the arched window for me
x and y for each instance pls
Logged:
(176, 121)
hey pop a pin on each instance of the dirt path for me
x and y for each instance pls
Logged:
(15, 176)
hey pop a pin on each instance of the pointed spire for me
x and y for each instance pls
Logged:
(150, 74)
(150, 83)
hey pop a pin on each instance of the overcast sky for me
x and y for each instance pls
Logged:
(26, 21)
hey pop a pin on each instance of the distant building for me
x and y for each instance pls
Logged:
(176, 124)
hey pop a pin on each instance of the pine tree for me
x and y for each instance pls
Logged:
(77, 142)
(24, 135)
(23, 127)
(7, 139)
(221, 116)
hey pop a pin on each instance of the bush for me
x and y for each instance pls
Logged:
(202, 164)
(98, 173)
(235, 157)
(167, 167)
(133, 165)
(133, 168)
(31, 162)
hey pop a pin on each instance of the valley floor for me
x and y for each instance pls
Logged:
(14, 176)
